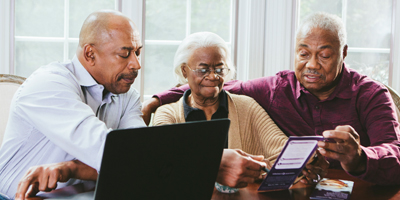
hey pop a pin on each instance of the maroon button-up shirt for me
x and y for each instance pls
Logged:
(358, 101)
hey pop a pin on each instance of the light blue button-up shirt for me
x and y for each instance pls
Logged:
(58, 114)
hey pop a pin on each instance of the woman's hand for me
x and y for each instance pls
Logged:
(239, 168)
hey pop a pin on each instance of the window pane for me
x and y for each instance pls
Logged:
(159, 68)
(39, 18)
(165, 20)
(72, 49)
(213, 16)
(79, 10)
(369, 23)
(330, 6)
(32, 55)
(374, 65)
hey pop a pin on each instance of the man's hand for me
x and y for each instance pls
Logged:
(45, 177)
(316, 170)
(346, 149)
(238, 168)
(148, 107)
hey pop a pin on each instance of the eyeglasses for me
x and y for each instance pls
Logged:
(222, 72)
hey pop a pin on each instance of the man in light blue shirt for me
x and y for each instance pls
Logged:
(64, 111)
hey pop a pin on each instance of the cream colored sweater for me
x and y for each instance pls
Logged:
(251, 129)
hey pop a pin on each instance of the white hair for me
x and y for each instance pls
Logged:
(324, 21)
(196, 41)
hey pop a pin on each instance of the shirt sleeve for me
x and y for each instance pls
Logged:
(377, 112)
(171, 95)
(55, 108)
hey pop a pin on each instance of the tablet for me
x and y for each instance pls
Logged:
(290, 162)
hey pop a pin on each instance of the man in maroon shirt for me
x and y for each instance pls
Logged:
(324, 97)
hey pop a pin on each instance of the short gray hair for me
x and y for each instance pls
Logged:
(324, 21)
(196, 41)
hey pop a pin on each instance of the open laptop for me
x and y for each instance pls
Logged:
(176, 161)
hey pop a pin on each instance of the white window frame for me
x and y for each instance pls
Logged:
(393, 51)
(257, 51)
(394, 70)
(5, 36)
(178, 42)
(261, 52)
(367, 50)
(10, 29)
(136, 10)
(250, 39)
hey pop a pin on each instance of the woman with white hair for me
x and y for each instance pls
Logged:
(203, 61)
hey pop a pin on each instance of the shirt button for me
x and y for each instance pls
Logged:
(317, 107)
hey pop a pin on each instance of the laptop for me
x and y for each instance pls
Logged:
(176, 161)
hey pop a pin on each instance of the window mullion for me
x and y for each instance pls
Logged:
(188, 16)
(234, 32)
(118, 5)
(368, 50)
(136, 10)
(12, 38)
(39, 39)
(394, 64)
(344, 12)
(6, 36)
(66, 29)
(163, 42)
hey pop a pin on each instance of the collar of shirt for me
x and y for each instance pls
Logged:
(342, 90)
(86, 80)
(223, 103)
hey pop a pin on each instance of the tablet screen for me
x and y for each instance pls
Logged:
(290, 162)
